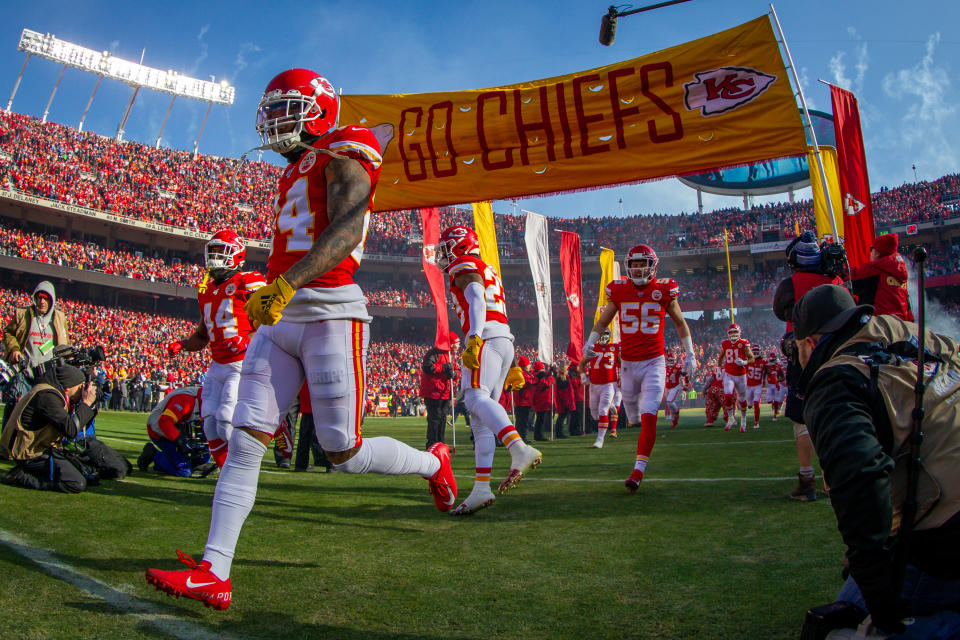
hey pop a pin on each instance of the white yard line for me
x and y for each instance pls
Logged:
(129, 605)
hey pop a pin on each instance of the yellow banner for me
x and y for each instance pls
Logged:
(609, 271)
(829, 156)
(718, 101)
(487, 234)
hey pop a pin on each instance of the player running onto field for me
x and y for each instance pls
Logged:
(756, 374)
(776, 383)
(314, 319)
(488, 363)
(225, 326)
(735, 355)
(603, 371)
(675, 378)
(641, 302)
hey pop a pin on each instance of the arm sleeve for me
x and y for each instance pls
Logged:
(854, 463)
(477, 307)
(50, 410)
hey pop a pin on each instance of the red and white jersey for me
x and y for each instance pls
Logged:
(755, 372)
(675, 376)
(300, 216)
(730, 352)
(495, 324)
(605, 367)
(775, 373)
(178, 406)
(641, 311)
(714, 378)
(221, 307)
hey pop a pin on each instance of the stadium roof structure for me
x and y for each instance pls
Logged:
(134, 74)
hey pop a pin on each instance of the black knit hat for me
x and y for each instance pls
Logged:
(69, 376)
(825, 309)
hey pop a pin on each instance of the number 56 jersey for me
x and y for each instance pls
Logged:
(641, 311)
(301, 216)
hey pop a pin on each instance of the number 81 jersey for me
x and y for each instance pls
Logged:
(641, 311)
(495, 324)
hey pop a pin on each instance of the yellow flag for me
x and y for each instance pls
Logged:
(606, 277)
(829, 156)
(487, 234)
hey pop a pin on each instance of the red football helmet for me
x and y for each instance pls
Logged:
(225, 250)
(755, 348)
(455, 242)
(641, 274)
(604, 338)
(772, 356)
(296, 101)
(733, 332)
(671, 360)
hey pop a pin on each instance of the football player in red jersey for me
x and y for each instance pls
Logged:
(603, 371)
(756, 373)
(314, 323)
(225, 326)
(488, 363)
(675, 378)
(776, 383)
(641, 301)
(735, 355)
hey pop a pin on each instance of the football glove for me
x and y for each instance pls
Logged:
(741, 362)
(266, 304)
(471, 355)
(238, 344)
(174, 347)
(515, 379)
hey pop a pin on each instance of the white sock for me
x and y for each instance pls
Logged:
(232, 500)
(601, 432)
(390, 457)
(484, 445)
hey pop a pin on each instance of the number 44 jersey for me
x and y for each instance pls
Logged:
(641, 311)
(300, 216)
(221, 306)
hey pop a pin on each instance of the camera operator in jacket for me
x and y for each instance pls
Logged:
(35, 330)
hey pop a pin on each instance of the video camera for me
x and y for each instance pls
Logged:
(17, 378)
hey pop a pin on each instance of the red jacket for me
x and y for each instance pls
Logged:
(563, 397)
(525, 398)
(506, 400)
(436, 375)
(541, 392)
(576, 384)
(883, 283)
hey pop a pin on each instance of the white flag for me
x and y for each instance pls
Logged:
(538, 251)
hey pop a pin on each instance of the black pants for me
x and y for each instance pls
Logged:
(541, 425)
(562, 418)
(51, 472)
(306, 443)
(437, 411)
(794, 405)
(523, 417)
(576, 420)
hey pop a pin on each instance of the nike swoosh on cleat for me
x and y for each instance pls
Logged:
(451, 500)
(195, 585)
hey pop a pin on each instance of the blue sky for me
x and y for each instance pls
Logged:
(902, 59)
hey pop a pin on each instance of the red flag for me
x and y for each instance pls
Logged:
(430, 218)
(573, 287)
(858, 229)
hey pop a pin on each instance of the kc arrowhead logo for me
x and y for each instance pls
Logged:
(851, 205)
(720, 90)
(430, 253)
(574, 300)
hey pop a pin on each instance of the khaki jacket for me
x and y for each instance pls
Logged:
(15, 333)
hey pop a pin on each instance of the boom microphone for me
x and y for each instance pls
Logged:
(608, 27)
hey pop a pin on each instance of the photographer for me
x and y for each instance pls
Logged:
(176, 445)
(437, 378)
(34, 331)
(57, 408)
(859, 372)
(805, 258)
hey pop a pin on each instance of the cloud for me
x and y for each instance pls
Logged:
(839, 69)
(240, 61)
(929, 118)
(204, 50)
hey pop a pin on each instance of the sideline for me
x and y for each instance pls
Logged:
(126, 604)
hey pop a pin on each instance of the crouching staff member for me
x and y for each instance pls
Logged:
(55, 409)
(170, 427)
(858, 378)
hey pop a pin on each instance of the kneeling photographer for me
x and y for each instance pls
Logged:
(177, 446)
(859, 385)
(39, 433)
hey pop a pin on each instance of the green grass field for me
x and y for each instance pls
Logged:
(709, 547)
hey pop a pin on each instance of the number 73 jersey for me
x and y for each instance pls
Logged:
(495, 324)
(221, 306)
(641, 311)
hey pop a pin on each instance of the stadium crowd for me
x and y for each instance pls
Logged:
(207, 193)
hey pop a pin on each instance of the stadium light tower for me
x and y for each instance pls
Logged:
(134, 74)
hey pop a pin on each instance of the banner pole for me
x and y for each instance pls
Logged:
(726, 247)
(809, 124)
(453, 418)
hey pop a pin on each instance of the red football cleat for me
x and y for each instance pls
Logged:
(196, 582)
(633, 482)
(443, 485)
